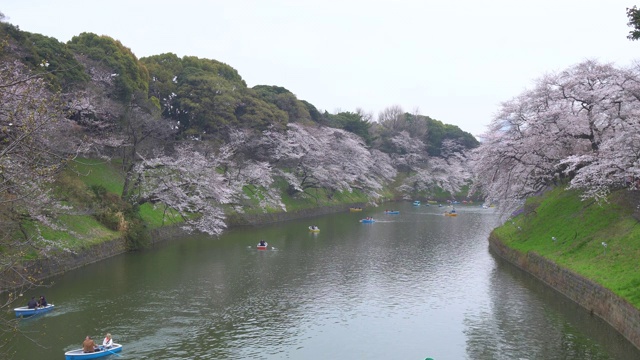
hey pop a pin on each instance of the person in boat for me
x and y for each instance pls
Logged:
(42, 301)
(88, 345)
(262, 243)
(107, 343)
(32, 304)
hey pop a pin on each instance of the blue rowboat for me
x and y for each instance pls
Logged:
(24, 311)
(367, 221)
(79, 354)
(392, 212)
(416, 203)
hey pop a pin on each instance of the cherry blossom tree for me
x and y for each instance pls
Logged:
(448, 172)
(34, 148)
(247, 174)
(311, 157)
(580, 124)
(408, 152)
(186, 181)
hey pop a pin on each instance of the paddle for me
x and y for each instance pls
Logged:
(116, 354)
(109, 351)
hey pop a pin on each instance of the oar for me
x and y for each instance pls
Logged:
(107, 350)
(116, 354)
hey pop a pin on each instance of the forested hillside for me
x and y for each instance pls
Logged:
(96, 143)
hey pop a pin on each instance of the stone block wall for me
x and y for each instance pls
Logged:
(596, 299)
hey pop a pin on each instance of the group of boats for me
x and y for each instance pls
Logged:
(368, 220)
(77, 354)
(451, 212)
(263, 245)
(25, 311)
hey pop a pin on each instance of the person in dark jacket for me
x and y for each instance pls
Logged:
(42, 301)
(32, 304)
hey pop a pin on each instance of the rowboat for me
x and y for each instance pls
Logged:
(262, 247)
(392, 212)
(24, 311)
(416, 203)
(314, 229)
(450, 214)
(355, 209)
(79, 354)
(367, 221)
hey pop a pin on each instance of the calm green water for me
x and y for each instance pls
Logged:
(409, 286)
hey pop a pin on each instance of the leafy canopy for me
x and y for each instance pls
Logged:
(130, 74)
(46, 56)
(634, 22)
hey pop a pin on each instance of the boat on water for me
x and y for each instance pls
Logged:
(355, 209)
(314, 229)
(448, 213)
(392, 212)
(24, 311)
(261, 246)
(367, 221)
(79, 354)
(416, 203)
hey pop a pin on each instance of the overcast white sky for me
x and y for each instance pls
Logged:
(454, 61)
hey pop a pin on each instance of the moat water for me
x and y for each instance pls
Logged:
(410, 286)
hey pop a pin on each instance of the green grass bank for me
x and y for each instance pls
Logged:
(587, 250)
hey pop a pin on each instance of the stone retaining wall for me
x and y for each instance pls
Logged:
(598, 300)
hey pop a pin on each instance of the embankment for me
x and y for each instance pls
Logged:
(599, 301)
(58, 261)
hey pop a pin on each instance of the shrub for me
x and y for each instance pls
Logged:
(137, 235)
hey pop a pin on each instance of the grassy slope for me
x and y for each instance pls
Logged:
(580, 228)
(85, 230)
(81, 228)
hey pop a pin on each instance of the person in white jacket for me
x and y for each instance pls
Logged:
(107, 343)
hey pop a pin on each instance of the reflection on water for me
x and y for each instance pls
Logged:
(408, 286)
